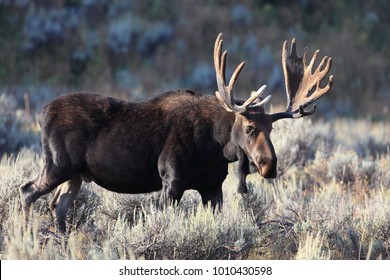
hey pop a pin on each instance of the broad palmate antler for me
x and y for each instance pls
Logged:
(302, 82)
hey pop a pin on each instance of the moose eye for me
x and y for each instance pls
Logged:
(250, 129)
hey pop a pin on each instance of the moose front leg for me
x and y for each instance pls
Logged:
(171, 192)
(242, 171)
(170, 169)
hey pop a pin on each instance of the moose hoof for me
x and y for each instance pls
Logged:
(242, 189)
(26, 197)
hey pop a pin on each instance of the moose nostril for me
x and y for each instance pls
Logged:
(267, 160)
(267, 166)
(263, 161)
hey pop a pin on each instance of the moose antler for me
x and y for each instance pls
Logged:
(302, 83)
(225, 92)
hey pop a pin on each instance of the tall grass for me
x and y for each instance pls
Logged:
(331, 201)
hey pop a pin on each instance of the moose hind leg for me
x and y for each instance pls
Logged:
(63, 199)
(48, 179)
(213, 195)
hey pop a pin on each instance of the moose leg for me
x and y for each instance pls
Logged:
(172, 191)
(172, 186)
(243, 171)
(212, 194)
(62, 200)
(48, 179)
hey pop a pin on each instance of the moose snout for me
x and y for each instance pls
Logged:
(267, 167)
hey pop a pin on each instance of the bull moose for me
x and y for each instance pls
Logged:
(177, 141)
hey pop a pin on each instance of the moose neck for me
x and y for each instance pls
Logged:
(223, 124)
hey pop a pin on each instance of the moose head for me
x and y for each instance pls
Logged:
(252, 126)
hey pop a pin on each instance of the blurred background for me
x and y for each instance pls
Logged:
(139, 49)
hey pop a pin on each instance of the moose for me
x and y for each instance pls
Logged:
(176, 141)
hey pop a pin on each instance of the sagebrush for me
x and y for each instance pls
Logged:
(332, 201)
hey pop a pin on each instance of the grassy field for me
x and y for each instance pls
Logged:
(331, 201)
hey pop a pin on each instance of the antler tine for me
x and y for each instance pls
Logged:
(320, 67)
(261, 102)
(303, 83)
(304, 56)
(235, 75)
(217, 50)
(223, 64)
(254, 96)
(313, 60)
(287, 84)
(217, 58)
(293, 51)
(223, 93)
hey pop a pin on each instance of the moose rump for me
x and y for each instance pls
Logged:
(102, 139)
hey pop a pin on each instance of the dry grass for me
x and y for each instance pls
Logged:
(331, 202)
